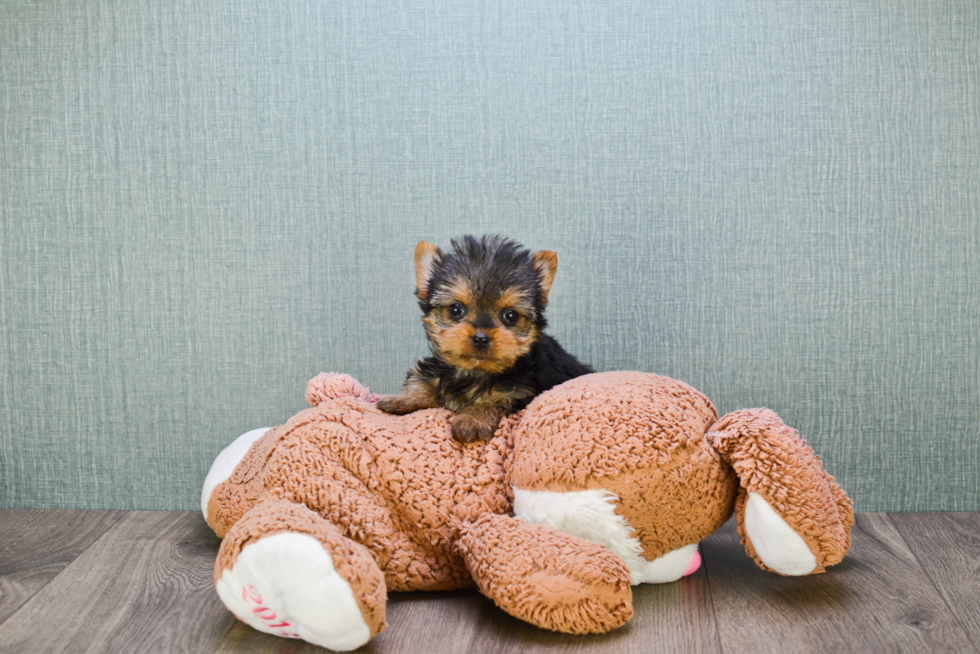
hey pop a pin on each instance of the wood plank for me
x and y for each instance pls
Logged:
(668, 618)
(947, 546)
(37, 544)
(434, 623)
(877, 600)
(242, 639)
(145, 586)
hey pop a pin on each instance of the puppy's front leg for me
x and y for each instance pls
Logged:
(470, 427)
(416, 394)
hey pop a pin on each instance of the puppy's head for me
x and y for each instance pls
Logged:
(483, 302)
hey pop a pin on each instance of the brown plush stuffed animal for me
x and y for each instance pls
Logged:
(608, 480)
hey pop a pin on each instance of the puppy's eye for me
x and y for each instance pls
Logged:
(509, 316)
(457, 310)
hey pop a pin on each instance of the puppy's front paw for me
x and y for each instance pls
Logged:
(396, 404)
(470, 429)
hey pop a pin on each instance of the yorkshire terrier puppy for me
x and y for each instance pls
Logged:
(483, 310)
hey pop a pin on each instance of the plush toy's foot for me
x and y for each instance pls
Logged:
(792, 516)
(779, 547)
(284, 570)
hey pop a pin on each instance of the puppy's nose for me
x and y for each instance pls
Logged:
(480, 341)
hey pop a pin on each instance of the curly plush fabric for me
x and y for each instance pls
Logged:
(624, 473)
(604, 424)
(773, 460)
(230, 500)
(353, 561)
(634, 434)
(330, 386)
(548, 578)
(392, 483)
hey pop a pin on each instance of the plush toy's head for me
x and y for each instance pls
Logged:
(641, 464)
(620, 458)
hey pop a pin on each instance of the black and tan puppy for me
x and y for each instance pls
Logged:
(483, 306)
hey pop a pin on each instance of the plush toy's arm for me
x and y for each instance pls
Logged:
(550, 579)
(792, 516)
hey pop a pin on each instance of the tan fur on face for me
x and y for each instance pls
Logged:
(454, 340)
(455, 344)
(506, 347)
(459, 291)
(512, 298)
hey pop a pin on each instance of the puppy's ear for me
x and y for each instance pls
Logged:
(426, 257)
(546, 263)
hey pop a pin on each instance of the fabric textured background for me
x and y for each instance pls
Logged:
(206, 203)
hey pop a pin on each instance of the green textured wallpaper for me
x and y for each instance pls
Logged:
(203, 204)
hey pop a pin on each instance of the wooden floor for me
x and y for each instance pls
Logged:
(140, 581)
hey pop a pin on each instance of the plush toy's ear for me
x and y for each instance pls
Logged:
(546, 263)
(426, 256)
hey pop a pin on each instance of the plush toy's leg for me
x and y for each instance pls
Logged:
(226, 462)
(286, 571)
(591, 514)
(792, 516)
(545, 577)
(234, 483)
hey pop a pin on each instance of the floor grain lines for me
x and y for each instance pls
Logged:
(947, 546)
(433, 623)
(141, 581)
(877, 600)
(37, 544)
(145, 586)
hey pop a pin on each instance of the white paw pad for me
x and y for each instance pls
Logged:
(286, 585)
(779, 547)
